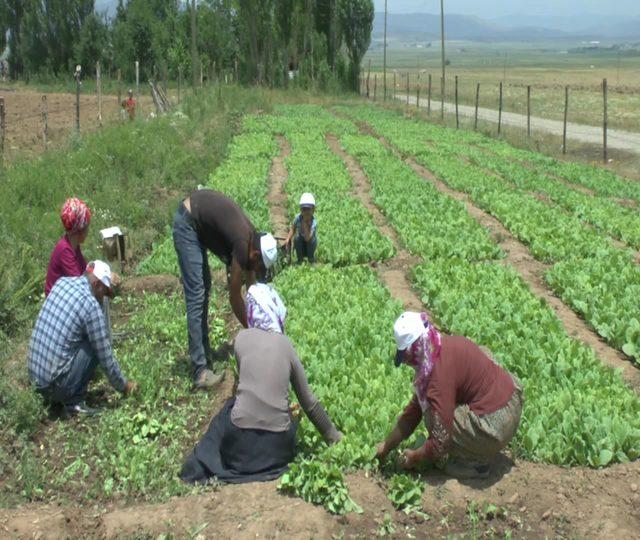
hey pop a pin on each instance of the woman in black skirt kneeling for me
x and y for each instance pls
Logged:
(253, 437)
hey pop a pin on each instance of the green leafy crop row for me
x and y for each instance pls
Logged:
(346, 231)
(606, 215)
(340, 322)
(576, 410)
(551, 234)
(414, 206)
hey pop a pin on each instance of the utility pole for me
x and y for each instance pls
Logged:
(384, 57)
(194, 46)
(443, 59)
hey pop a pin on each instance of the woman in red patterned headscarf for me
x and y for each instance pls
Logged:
(66, 258)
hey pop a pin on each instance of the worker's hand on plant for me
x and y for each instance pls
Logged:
(130, 388)
(409, 459)
(116, 280)
(381, 451)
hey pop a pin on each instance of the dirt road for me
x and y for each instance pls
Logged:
(616, 139)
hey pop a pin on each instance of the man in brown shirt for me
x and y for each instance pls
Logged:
(209, 220)
(471, 406)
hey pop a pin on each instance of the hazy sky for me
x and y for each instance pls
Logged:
(497, 8)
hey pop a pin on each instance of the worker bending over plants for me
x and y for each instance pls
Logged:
(471, 406)
(209, 220)
(253, 437)
(304, 229)
(71, 338)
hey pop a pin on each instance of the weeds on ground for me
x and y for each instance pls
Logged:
(135, 447)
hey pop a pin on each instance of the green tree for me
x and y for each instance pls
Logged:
(11, 17)
(356, 21)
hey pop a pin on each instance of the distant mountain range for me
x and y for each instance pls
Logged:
(425, 26)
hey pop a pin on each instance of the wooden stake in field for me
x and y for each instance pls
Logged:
(457, 115)
(384, 58)
(395, 73)
(475, 121)
(407, 88)
(564, 125)
(137, 82)
(119, 79)
(99, 91)
(45, 121)
(418, 92)
(529, 111)
(605, 119)
(3, 127)
(429, 96)
(500, 111)
(77, 76)
(442, 97)
(368, 79)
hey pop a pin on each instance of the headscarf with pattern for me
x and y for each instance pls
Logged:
(75, 215)
(265, 309)
(422, 355)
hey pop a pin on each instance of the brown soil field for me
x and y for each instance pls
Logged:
(24, 120)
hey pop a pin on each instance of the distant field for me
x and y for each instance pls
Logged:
(547, 68)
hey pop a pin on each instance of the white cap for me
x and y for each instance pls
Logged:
(307, 199)
(102, 271)
(407, 328)
(269, 249)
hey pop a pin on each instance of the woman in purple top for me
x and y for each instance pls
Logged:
(66, 258)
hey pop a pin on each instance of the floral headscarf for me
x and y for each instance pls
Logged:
(75, 215)
(422, 355)
(265, 309)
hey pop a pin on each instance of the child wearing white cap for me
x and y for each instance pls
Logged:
(303, 230)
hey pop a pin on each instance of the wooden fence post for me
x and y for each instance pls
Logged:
(528, 110)
(137, 82)
(45, 120)
(407, 88)
(375, 85)
(395, 73)
(475, 121)
(3, 128)
(119, 77)
(77, 76)
(500, 111)
(99, 91)
(429, 97)
(442, 98)
(564, 126)
(457, 115)
(369, 79)
(418, 92)
(605, 120)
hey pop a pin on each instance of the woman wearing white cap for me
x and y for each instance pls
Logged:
(471, 406)
(304, 229)
(209, 220)
(253, 437)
